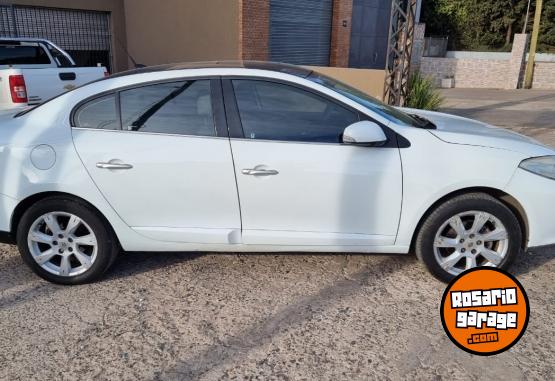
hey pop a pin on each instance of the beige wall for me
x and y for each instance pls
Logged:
(115, 7)
(369, 81)
(167, 31)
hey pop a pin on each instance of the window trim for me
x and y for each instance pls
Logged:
(216, 97)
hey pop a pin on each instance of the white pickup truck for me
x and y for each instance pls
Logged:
(35, 70)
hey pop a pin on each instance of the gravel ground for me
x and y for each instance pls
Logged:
(192, 316)
(203, 316)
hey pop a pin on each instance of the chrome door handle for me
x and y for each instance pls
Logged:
(260, 172)
(110, 165)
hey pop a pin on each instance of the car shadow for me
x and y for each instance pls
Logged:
(234, 348)
(533, 259)
(18, 284)
(14, 272)
(134, 263)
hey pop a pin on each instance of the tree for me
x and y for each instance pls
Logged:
(484, 24)
(546, 41)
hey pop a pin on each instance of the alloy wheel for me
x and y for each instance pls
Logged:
(62, 244)
(470, 239)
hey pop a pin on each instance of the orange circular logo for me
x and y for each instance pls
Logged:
(485, 311)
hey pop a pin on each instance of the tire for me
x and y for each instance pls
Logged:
(73, 243)
(475, 246)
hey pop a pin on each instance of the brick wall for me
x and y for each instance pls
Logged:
(517, 61)
(471, 73)
(340, 34)
(544, 76)
(254, 29)
(483, 73)
(479, 69)
(417, 46)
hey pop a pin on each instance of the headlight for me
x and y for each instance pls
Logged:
(543, 166)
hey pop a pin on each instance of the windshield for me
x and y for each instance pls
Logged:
(390, 113)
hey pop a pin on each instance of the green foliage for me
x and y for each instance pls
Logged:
(423, 94)
(547, 27)
(485, 24)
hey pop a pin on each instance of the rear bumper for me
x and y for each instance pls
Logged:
(536, 194)
(7, 207)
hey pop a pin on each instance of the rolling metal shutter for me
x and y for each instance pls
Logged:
(300, 31)
(85, 35)
(6, 21)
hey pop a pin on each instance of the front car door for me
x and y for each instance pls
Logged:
(298, 184)
(160, 155)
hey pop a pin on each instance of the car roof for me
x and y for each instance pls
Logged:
(298, 71)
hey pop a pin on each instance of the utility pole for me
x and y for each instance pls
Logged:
(533, 46)
(527, 18)
(401, 36)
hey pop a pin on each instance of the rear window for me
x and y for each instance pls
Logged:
(100, 113)
(23, 55)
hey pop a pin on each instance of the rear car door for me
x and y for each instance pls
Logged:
(298, 184)
(168, 171)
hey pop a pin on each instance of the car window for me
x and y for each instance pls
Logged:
(275, 111)
(183, 108)
(61, 59)
(23, 55)
(99, 113)
(389, 112)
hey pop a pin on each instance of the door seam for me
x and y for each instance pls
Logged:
(232, 160)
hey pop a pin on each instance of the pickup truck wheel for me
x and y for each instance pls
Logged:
(468, 231)
(65, 242)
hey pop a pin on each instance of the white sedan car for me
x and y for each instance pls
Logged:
(249, 157)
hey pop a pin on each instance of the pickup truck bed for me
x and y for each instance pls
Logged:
(33, 71)
(43, 84)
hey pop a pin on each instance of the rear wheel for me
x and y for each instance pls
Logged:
(468, 231)
(65, 241)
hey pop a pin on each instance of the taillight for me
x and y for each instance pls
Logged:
(106, 74)
(18, 89)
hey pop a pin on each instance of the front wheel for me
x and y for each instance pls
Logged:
(468, 231)
(65, 241)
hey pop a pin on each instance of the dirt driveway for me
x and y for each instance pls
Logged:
(192, 316)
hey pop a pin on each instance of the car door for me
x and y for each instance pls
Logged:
(168, 172)
(298, 184)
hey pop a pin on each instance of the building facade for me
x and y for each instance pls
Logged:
(121, 33)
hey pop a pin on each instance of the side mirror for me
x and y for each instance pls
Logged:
(364, 133)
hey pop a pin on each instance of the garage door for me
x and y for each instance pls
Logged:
(369, 33)
(300, 31)
(85, 35)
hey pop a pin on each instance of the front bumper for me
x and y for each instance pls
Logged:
(536, 194)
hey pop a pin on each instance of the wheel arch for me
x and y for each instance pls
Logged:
(508, 200)
(26, 203)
